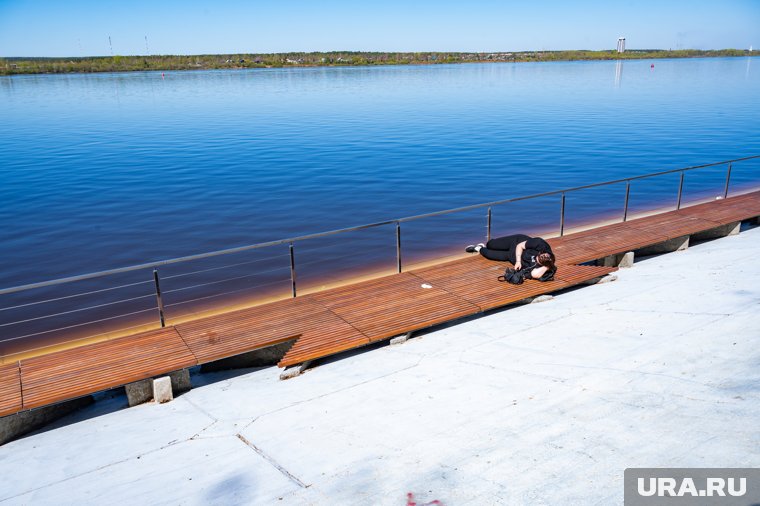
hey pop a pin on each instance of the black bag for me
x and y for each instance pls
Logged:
(515, 277)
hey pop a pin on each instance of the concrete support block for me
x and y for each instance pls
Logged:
(139, 392)
(263, 357)
(180, 381)
(292, 372)
(608, 278)
(675, 244)
(162, 389)
(18, 424)
(145, 390)
(721, 231)
(622, 260)
(533, 300)
(401, 339)
(627, 260)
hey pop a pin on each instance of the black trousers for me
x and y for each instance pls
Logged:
(502, 249)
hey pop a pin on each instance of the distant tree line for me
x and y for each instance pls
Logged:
(334, 58)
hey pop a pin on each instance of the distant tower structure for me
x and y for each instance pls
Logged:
(621, 45)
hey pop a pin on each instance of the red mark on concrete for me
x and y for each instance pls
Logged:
(411, 502)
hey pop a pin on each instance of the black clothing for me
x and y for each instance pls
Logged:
(502, 249)
(546, 276)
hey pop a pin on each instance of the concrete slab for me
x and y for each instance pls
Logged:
(43, 459)
(272, 394)
(539, 404)
(218, 471)
(442, 400)
(611, 341)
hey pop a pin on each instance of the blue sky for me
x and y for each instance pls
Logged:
(82, 27)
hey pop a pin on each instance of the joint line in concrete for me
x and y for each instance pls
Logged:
(273, 462)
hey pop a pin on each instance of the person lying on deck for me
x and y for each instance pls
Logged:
(523, 251)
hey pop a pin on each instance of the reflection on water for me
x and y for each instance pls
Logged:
(106, 170)
(618, 73)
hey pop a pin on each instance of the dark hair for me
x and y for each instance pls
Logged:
(546, 259)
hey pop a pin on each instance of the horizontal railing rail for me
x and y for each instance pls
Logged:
(285, 262)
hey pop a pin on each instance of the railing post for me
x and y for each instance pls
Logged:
(292, 270)
(680, 191)
(562, 216)
(398, 246)
(159, 299)
(728, 179)
(627, 194)
(488, 225)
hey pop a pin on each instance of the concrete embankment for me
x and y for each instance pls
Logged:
(539, 404)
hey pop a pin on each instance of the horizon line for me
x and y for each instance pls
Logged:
(750, 50)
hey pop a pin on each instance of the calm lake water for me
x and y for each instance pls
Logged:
(110, 170)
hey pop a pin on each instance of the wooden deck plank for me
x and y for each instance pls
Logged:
(306, 350)
(10, 389)
(673, 225)
(750, 200)
(475, 280)
(72, 373)
(327, 335)
(393, 305)
(229, 334)
(601, 242)
(726, 210)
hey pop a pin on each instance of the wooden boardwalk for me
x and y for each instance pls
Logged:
(345, 318)
(77, 371)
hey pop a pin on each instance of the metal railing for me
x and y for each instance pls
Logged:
(158, 295)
